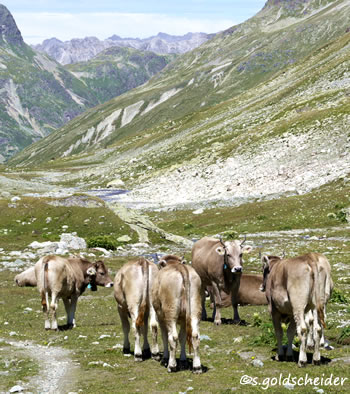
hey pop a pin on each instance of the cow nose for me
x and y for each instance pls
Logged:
(110, 284)
(236, 269)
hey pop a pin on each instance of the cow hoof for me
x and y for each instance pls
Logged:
(126, 350)
(217, 322)
(197, 370)
(316, 362)
(183, 365)
(279, 357)
(164, 362)
(138, 357)
(156, 356)
(146, 353)
(171, 369)
(302, 364)
(289, 358)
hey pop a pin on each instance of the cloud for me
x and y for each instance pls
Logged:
(35, 27)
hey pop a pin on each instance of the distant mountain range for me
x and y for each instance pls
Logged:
(38, 95)
(81, 50)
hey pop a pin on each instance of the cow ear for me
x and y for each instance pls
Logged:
(91, 271)
(247, 249)
(162, 263)
(220, 251)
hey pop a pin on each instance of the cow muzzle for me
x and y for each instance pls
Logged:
(237, 269)
(110, 284)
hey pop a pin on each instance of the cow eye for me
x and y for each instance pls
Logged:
(101, 273)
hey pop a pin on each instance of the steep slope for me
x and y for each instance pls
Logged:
(117, 70)
(37, 95)
(83, 49)
(283, 33)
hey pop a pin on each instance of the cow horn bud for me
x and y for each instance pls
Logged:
(245, 238)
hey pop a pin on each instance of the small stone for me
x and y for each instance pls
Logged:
(16, 389)
(95, 343)
(13, 333)
(198, 211)
(204, 337)
(124, 238)
(289, 386)
(257, 363)
(104, 336)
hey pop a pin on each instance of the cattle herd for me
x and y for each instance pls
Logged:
(170, 292)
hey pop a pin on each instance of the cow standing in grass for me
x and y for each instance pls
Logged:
(132, 291)
(219, 265)
(176, 299)
(293, 289)
(59, 277)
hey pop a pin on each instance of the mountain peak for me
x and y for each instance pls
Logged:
(9, 32)
(296, 8)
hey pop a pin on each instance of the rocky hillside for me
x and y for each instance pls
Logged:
(83, 49)
(38, 95)
(180, 139)
(233, 63)
(117, 70)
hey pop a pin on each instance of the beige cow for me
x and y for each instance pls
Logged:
(132, 291)
(59, 277)
(292, 290)
(26, 278)
(249, 292)
(176, 299)
(219, 266)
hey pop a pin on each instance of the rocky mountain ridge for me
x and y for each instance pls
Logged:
(38, 95)
(83, 49)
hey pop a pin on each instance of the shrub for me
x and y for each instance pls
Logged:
(338, 297)
(344, 336)
(103, 241)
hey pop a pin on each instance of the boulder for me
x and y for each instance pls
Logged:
(116, 183)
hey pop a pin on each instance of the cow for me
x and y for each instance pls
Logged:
(249, 292)
(67, 278)
(219, 265)
(292, 290)
(132, 291)
(26, 278)
(176, 299)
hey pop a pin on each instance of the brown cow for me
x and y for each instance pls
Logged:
(132, 291)
(219, 265)
(26, 278)
(249, 292)
(292, 290)
(176, 299)
(67, 279)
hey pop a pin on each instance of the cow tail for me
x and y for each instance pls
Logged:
(188, 309)
(45, 269)
(143, 305)
(318, 299)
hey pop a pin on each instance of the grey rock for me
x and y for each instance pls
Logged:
(16, 389)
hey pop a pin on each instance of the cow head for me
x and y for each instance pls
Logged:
(170, 259)
(267, 262)
(98, 276)
(232, 253)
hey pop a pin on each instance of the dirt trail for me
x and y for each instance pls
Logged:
(56, 368)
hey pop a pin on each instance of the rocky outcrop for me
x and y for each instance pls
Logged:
(9, 32)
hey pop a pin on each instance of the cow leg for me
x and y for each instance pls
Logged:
(73, 307)
(195, 343)
(302, 333)
(53, 307)
(123, 314)
(164, 331)
(322, 339)
(182, 337)
(45, 311)
(154, 331)
(234, 299)
(204, 312)
(316, 359)
(67, 305)
(217, 304)
(146, 351)
(290, 335)
(309, 321)
(276, 320)
(173, 340)
(137, 333)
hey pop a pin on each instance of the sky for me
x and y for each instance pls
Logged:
(42, 19)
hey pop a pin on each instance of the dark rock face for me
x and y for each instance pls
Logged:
(9, 32)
